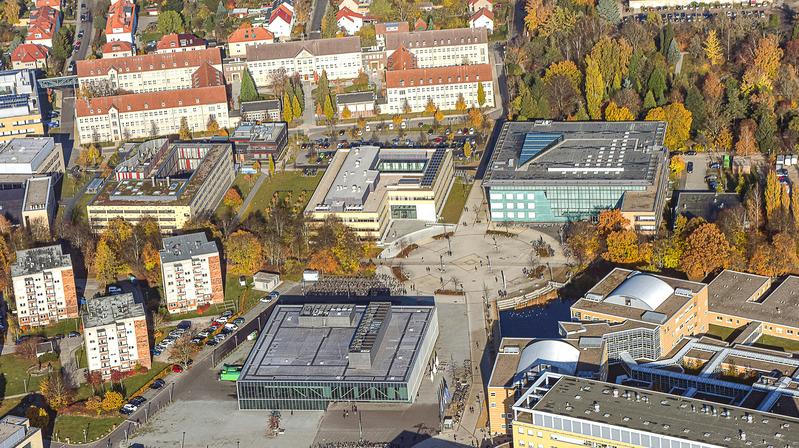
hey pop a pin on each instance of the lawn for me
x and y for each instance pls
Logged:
(14, 373)
(61, 327)
(80, 356)
(720, 332)
(212, 311)
(72, 427)
(70, 185)
(244, 183)
(769, 341)
(283, 183)
(455, 201)
(234, 291)
(135, 382)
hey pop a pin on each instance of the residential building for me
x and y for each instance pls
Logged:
(44, 286)
(441, 85)
(442, 48)
(115, 334)
(182, 182)
(43, 25)
(476, 5)
(340, 58)
(352, 5)
(708, 205)
(29, 56)
(191, 272)
(349, 21)
(376, 352)
(258, 142)
(483, 18)
(246, 36)
(368, 188)
(141, 115)
(55, 4)
(639, 5)
(121, 21)
(175, 43)
(259, 111)
(146, 73)
(281, 21)
(24, 157)
(545, 171)
(265, 281)
(17, 432)
(360, 104)
(20, 109)
(518, 363)
(383, 28)
(118, 49)
(566, 411)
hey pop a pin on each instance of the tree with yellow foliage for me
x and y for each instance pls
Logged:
(678, 120)
(762, 72)
(615, 113)
(594, 88)
(772, 194)
(713, 50)
(611, 221)
(622, 247)
(184, 133)
(566, 68)
(430, 108)
(676, 165)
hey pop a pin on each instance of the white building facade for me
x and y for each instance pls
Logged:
(442, 48)
(191, 272)
(443, 86)
(115, 334)
(340, 58)
(44, 286)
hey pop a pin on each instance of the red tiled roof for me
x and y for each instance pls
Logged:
(45, 12)
(136, 102)
(207, 76)
(179, 41)
(117, 46)
(43, 25)
(401, 59)
(472, 2)
(250, 34)
(396, 27)
(281, 12)
(482, 12)
(149, 62)
(438, 76)
(29, 53)
(50, 3)
(120, 15)
(348, 13)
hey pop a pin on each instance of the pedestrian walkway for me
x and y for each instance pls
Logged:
(248, 200)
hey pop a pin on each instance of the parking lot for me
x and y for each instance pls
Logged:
(698, 13)
(697, 164)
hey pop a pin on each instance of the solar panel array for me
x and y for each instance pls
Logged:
(535, 142)
(13, 100)
(432, 167)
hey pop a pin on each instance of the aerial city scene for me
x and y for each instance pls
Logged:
(399, 223)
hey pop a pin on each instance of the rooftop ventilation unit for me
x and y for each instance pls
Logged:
(683, 292)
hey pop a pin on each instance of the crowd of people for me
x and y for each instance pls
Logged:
(359, 444)
(380, 285)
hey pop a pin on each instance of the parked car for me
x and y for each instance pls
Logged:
(238, 320)
(266, 299)
(204, 334)
(690, 167)
(157, 384)
(114, 290)
(184, 325)
(242, 281)
(73, 334)
(274, 295)
(221, 320)
(211, 342)
(227, 313)
(137, 400)
(177, 368)
(128, 409)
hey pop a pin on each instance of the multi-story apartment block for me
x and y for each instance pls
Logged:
(176, 43)
(141, 115)
(30, 56)
(44, 286)
(442, 48)
(441, 85)
(115, 334)
(173, 186)
(17, 432)
(340, 58)
(152, 72)
(191, 272)
(20, 111)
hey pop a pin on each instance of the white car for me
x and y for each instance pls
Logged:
(266, 299)
(221, 319)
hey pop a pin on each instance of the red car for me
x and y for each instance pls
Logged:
(177, 368)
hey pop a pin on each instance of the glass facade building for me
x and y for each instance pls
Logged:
(316, 395)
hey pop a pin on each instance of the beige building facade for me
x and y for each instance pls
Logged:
(44, 286)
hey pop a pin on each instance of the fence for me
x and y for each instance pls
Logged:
(230, 344)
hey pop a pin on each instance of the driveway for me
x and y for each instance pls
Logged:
(695, 181)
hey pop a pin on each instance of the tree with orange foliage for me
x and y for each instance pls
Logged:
(622, 247)
(324, 261)
(777, 258)
(232, 199)
(611, 221)
(706, 250)
(746, 144)
(582, 240)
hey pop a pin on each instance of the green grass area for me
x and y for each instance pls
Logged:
(455, 201)
(133, 383)
(244, 183)
(154, 35)
(720, 332)
(62, 327)
(234, 291)
(14, 373)
(70, 184)
(212, 311)
(283, 183)
(72, 427)
(80, 356)
(164, 332)
(769, 341)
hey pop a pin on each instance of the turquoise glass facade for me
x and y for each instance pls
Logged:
(312, 395)
(553, 203)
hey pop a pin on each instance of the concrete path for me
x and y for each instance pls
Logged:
(248, 200)
(68, 348)
(308, 111)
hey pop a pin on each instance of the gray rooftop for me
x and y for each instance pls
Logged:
(550, 152)
(666, 415)
(19, 93)
(258, 132)
(29, 151)
(184, 247)
(252, 106)
(37, 193)
(13, 430)
(436, 38)
(109, 309)
(356, 97)
(33, 261)
(754, 297)
(317, 47)
(704, 204)
(288, 350)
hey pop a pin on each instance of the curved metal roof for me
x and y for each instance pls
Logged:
(642, 291)
(557, 353)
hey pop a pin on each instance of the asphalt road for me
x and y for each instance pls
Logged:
(318, 13)
(88, 30)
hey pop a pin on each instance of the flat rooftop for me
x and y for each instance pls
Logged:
(25, 151)
(704, 204)
(33, 261)
(13, 430)
(604, 153)
(184, 247)
(287, 351)
(258, 132)
(753, 297)
(506, 364)
(37, 193)
(666, 415)
(109, 309)
(652, 298)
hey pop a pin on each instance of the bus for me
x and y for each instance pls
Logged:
(230, 373)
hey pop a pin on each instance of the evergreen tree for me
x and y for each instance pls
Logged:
(673, 55)
(248, 91)
(666, 35)
(695, 102)
(609, 10)
(288, 113)
(328, 109)
(737, 106)
(657, 83)
(649, 100)
(323, 88)
(766, 130)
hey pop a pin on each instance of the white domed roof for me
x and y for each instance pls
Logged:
(642, 291)
(554, 352)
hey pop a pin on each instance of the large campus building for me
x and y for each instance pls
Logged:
(415, 88)
(308, 356)
(20, 108)
(367, 187)
(171, 183)
(547, 171)
(440, 48)
(44, 286)
(339, 58)
(191, 272)
(115, 334)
